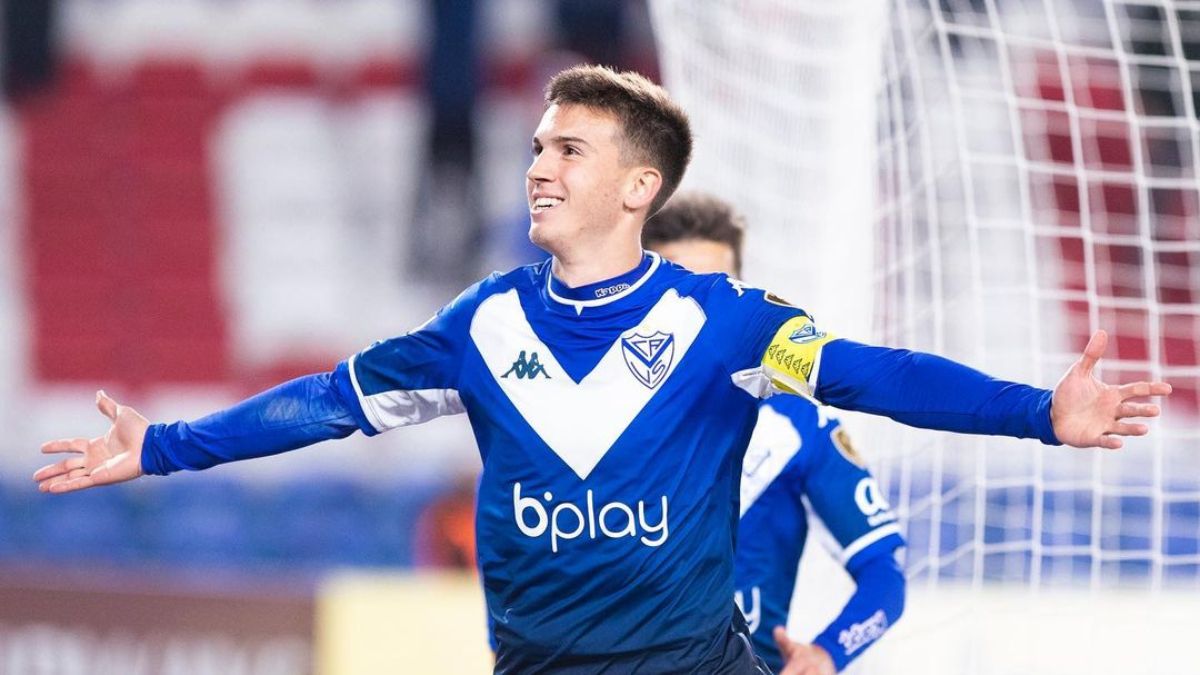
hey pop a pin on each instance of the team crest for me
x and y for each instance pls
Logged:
(649, 356)
(806, 333)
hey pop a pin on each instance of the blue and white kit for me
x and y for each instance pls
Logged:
(801, 471)
(611, 420)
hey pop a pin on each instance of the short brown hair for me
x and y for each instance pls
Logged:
(656, 129)
(697, 215)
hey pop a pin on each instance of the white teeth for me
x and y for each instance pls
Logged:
(543, 203)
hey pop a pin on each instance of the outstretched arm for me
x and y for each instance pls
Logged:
(929, 391)
(292, 415)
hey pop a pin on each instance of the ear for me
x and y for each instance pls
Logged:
(642, 188)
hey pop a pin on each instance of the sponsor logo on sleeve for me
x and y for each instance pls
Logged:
(864, 633)
(871, 502)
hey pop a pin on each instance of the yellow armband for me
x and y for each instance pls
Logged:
(794, 356)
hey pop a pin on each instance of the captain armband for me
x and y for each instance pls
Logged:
(794, 356)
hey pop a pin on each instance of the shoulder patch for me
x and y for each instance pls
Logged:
(776, 300)
(841, 441)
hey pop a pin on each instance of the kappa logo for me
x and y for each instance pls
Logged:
(611, 290)
(649, 356)
(527, 369)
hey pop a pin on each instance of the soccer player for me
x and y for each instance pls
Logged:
(612, 396)
(799, 457)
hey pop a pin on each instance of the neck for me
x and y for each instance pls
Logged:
(589, 267)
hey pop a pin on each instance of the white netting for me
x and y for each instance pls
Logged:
(1034, 175)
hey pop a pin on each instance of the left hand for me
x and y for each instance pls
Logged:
(1087, 413)
(802, 659)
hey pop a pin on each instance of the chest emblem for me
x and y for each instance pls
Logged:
(649, 357)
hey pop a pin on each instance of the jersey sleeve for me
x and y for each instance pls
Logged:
(928, 391)
(877, 604)
(292, 415)
(778, 345)
(412, 378)
(846, 499)
(753, 318)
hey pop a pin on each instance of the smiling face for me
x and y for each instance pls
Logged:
(579, 189)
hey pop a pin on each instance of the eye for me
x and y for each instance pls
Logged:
(536, 149)
(571, 150)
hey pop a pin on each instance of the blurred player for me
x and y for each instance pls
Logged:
(612, 396)
(799, 457)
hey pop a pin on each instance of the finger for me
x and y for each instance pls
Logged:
(1111, 442)
(782, 640)
(80, 483)
(1128, 429)
(1093, 351)
(1137, 410)
(59, 468)
(1143, 389)
(107, 406)
(44, 486)
(65, 445)
(48, 484)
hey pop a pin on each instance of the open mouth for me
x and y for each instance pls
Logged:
(542, 204)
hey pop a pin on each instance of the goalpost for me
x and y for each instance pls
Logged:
(991, 180)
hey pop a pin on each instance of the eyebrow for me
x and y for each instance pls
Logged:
(562, 140)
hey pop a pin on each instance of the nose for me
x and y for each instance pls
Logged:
(541, 170)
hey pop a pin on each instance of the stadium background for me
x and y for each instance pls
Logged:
(199, 198)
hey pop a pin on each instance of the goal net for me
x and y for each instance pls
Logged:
(989, 180)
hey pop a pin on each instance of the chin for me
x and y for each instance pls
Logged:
(544, 235)
(538, 237)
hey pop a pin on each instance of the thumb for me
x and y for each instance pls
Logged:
(106, 405)
(783, 641)
(1093, 351)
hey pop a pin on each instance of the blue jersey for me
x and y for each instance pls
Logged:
(800, 463)
(611, 422)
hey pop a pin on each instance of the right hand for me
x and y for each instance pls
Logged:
(802, 659)
(114, 457)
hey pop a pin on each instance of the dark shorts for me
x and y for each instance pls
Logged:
(728, 653)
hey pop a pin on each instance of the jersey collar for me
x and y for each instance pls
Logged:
(602, 292)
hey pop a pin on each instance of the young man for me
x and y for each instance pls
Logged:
(612, 396)
(799, 458)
